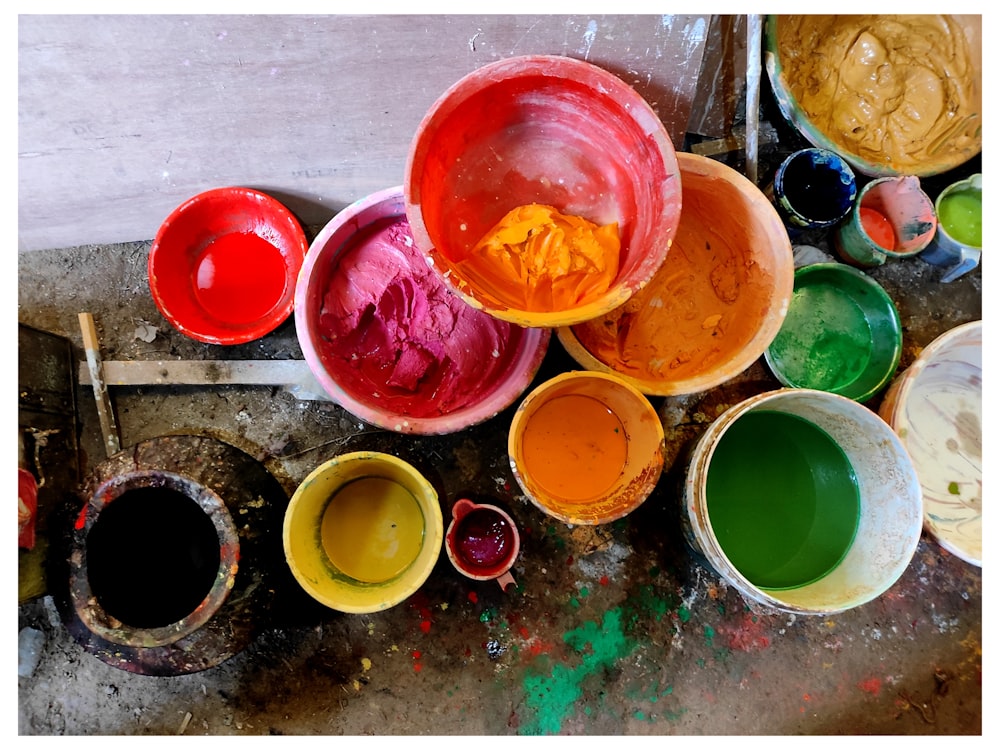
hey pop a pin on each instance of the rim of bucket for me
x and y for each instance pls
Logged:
(623, 510)
(762, 338)
(879, 291)
(798, 119)
(274, 317)
(532, 351)
(556, 67)
(89, 609)
(895, 413)
(710, 438)
(433, 535)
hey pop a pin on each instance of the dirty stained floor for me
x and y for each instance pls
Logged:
(611, 630)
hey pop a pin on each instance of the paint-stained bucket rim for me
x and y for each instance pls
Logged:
(826, 157)
(87, 605)
(551, 68)
(893, 411)
(885, 307)
(328, 243)
(233, 199)
(794, 115)
(347, 594)
(898, 484)
(772, 318)
(626, 496)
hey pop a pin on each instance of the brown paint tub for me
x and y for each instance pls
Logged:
(715, 304)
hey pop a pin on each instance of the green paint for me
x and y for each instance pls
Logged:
(588, 710)
(639, 715)
(574, 602)
(961, 215)
(709, 634)
(549, 698)
(486, 616)
(684, 614)
(782, 498)
(649, 603)
(654, 571)
(584, 592)
(700, 662)
(953, 488)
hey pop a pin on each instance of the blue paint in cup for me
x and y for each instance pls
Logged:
(813, 189)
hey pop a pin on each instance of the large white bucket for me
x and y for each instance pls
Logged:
(889, 503)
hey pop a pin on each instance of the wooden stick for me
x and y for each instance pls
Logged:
(753, 94)
(109, 426)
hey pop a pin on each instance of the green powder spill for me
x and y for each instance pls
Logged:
(550, 699)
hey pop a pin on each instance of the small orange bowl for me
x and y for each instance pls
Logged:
(223, 266)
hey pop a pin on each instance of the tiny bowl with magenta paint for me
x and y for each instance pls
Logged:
(586, 447)
(223, 265)
(714, 305)
(842, 333)
(552, 131)
(363, 532)
(387, 339)
(936, 407)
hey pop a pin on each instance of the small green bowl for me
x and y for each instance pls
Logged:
(841, 334)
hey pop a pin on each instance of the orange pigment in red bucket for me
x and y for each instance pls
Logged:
(540, 260)
(574, 447)
(239, 277)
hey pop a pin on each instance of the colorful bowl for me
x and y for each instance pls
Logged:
(936, 408)
(822, 73)
(387, 339)
(715, 304)
(223, 265)
(842, 333)
(547, 130)
(363, 532)
(586, 447)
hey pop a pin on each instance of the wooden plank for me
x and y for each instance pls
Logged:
(106, 414)
(121, 118)
(292, 375)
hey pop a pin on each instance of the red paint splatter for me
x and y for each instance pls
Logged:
(417, 666)
(425, 626)
(806, 697)
(524, 632)
(81, 520)
(872, 685)
(749, 635)
(569, 560)
(473, 597)
(468, 651)
(537, 648)
(604, 581)
(417, 654)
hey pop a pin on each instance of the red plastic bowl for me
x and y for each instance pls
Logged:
(223, 265)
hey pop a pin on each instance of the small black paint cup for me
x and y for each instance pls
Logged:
(813, 189)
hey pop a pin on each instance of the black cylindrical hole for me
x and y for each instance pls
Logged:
(152, 557)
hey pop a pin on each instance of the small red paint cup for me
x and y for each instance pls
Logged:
(482, 542)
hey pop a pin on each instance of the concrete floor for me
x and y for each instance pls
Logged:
(610, 630)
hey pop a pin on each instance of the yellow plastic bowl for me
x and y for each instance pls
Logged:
(363, 532)
(591, 458)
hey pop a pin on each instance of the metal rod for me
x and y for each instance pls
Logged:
(753, 94)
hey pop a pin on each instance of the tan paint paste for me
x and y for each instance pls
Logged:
(706, 301)
(902, 91)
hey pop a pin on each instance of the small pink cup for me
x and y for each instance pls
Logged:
(482, 542)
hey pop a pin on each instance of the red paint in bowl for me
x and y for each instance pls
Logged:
(223, 265)
(387, 339)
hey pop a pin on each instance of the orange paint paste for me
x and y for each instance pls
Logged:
(540, 260)
(574, 447)
(706, 301)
